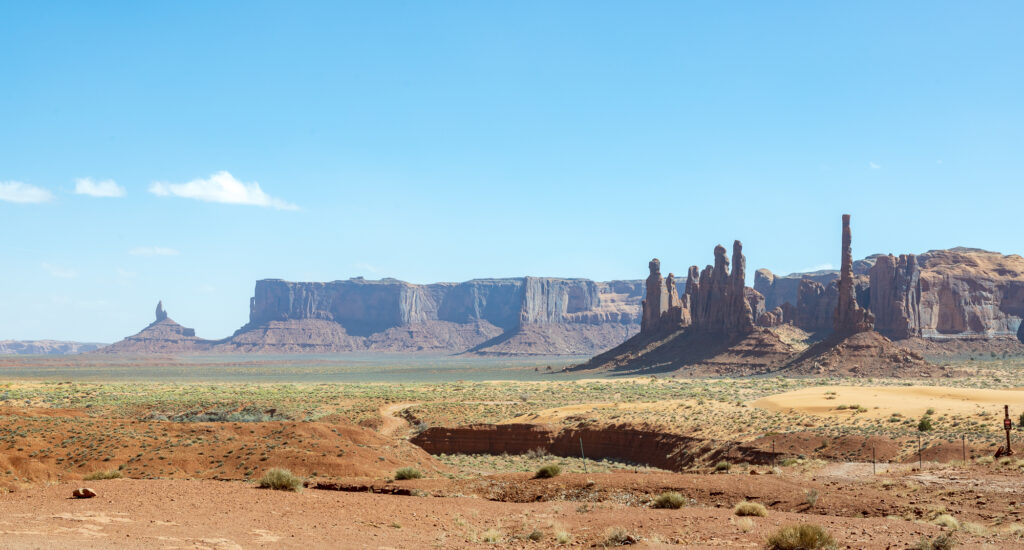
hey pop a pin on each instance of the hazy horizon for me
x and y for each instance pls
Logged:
(183, 151)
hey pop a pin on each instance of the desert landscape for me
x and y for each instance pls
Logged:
(736, 434)
(839, 453)
(511, 275)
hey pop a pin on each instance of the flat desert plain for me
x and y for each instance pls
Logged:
(656, 462)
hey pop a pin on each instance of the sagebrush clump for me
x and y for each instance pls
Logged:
(280, 479)
(408, 473)
(805, 536)
(551, 470)
(750, 509)
(669, 499)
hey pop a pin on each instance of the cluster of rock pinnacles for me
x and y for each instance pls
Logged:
(716, 299)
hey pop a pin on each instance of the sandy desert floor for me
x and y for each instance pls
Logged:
(230, 515)
(187, 456)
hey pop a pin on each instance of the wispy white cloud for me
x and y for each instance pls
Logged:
(153, 251)
(221, 187)
(363, 266)
(59, 271)
(16, 191)
(874, 165)
(821, 267)
(105, 188)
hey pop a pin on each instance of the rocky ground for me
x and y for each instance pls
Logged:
(189, 457)
(575, 511)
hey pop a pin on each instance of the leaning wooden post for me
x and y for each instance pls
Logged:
(873, 471)
(585, 469)
(1007, 425)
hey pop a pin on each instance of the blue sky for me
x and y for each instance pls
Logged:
(443, 141)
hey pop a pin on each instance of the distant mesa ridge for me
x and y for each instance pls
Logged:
(515, 316)
(937, 298)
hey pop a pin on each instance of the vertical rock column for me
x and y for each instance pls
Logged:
(656, 302)
(849, 317)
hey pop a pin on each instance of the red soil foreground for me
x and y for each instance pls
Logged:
(54, 444)
(230, 515)
(44, 452)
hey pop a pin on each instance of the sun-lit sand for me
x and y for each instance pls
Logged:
(884, 401)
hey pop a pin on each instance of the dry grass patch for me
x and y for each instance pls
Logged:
(750, 509)
(280, 479)
(669, 499)
(805, 536)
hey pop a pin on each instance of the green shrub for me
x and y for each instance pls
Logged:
(925, 425)
(805, 536)
(280, 480)
(103, 474)
(669, 499)
(750, 509)
(551, 470)
(723, 466)
(408, 473)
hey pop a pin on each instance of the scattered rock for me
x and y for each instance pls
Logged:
(83, 492)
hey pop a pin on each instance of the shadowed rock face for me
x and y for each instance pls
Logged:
(896, 296)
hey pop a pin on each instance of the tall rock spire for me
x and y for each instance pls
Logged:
(849, 317)
(160, 313)
(656, 302)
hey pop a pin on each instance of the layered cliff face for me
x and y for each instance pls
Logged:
(528, 315)
(949, 294)
(782, 289)
(46, 347)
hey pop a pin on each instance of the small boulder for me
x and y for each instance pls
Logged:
(83, 492)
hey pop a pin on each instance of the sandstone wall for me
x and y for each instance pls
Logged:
(392, 315)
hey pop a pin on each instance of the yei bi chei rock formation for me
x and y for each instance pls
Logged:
(713, 331)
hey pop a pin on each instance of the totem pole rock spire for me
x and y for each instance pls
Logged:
(849, 317)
